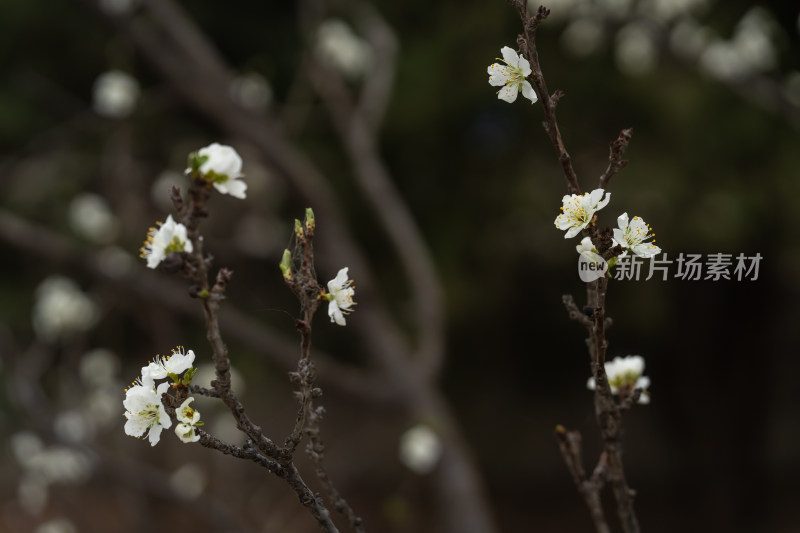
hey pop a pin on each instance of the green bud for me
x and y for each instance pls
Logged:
(298, 228)
(286, 265)
(195, 161)
(188, 375)
(310, 222)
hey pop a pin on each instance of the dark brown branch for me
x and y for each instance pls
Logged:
(616, 149)
(527, 44)
(569, 442)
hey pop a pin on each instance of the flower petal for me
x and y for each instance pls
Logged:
(510, 56)
(498, 75)
(529, 93)
(622, 221)
(508, 93)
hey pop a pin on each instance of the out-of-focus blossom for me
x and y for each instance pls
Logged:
(115, 94)
(583, 36)
(420, 449)
(188, 481)
(636, 53)
(118, 7)
(61, 308)
(57, 525)
(252, 91)
(342, 49)
(91, 217)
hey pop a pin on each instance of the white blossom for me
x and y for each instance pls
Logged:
(179, 362)
(345, 51)
(186, 413)
(420, 449)
(91, 217)
(144, 410)
(61, 308)
(115, 94)
(169, 237)
(223, 169)
(340, 297)
(511, 76)
(633, 236)
(578, 210)
(186, 432)
(625, 375)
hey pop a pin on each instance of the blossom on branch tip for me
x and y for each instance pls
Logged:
(578, 210)
(340, 297)
(511, 76)
(175, 364)
(144, 410)
(169, 237)
(221, 166)
(624, 375)
(632, 236)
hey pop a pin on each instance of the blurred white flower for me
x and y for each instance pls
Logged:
(688, 38)
(91, 217)
(625, 375)
(118, 7)
(420, 449)
(43, 466)
(342, 49)
(511, 77)
(169, 237)
(223, 169)
(58, 525)
(583, 36)
(62, 308)
(98, 366)
(633, 236)
(115, 94)
(578, 210)
(206, 373)
(188, 481)
(340, 297)
(73, 426)
(636, 53)
(252, 91)
(791, 88)
(750, 51)
(145, 412)
(114, 261)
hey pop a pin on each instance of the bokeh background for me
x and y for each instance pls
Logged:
(712, 91)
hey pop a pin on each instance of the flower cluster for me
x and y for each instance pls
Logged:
(511, 76)
(215, 164)
(578, 211)
(143, 406)
(340, 297)
(624, 376)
